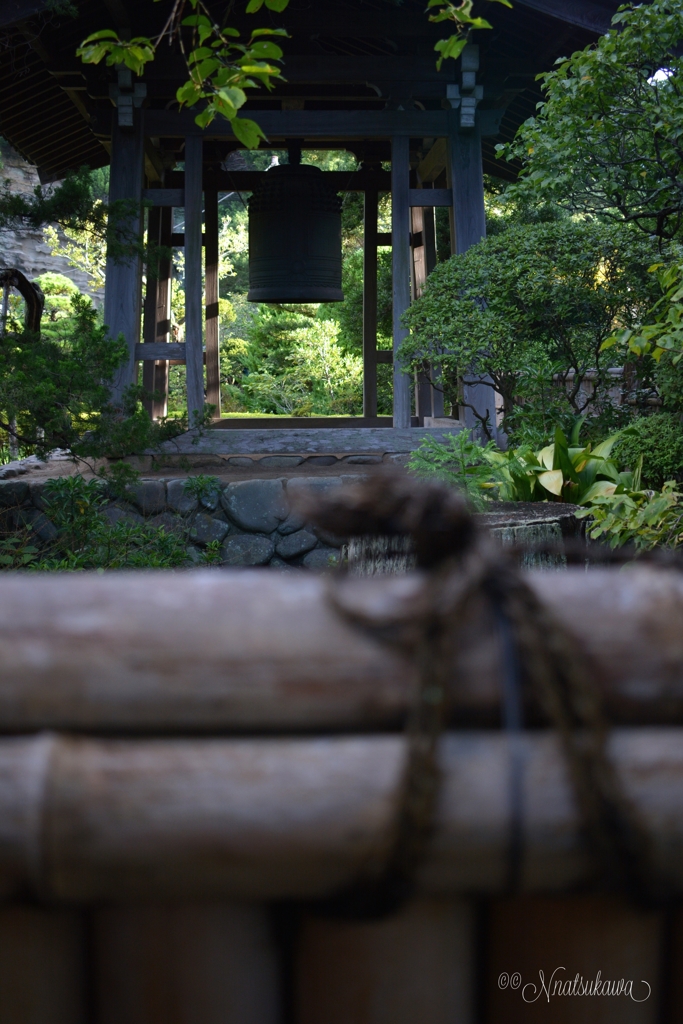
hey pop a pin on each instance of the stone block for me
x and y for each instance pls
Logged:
(302, 485)
(292, 523)
(178, 499)
(312, 483)
(247, 549)
(296, 544)
(363, 460)
(241, 461)
(280, 461)
(121, 514)
(149, 496)
(209, 500)
(321, 460)
(205, 529)
(37, 492)
(169, 522)
(330, 539)
(194, 555)
(322, 558)
(14, 493)
(256, 504)
(39, 524)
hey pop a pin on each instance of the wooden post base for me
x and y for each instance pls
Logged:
(414, 968)
(187, 964)
(42, 966)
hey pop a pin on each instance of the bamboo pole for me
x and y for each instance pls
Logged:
(85, 820)
(258, 650)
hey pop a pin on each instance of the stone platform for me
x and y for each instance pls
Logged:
(285, 448)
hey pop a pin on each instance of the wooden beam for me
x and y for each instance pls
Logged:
(160, 350)
(213, 384)
(164, 196)
(370, 304)
(313, 124)
(400, 229)
(122, 293)
(247, 181)
(434, 163)
(582, 13)
(193, 275)
(430, 197)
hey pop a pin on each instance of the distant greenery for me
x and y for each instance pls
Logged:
(55, 387)
(530, 308)
(607, 139)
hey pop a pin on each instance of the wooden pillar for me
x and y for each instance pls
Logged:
(468, 226)
(370, 304)
(418, 274)
(213, 376)
(163, 317)
(122, 293)
(400, 240)
(194, 356)
(157, 312)
(210, 963)
(42, 966)
(416, 967)
(465, 176)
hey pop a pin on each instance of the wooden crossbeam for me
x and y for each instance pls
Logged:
(319, 124)
(417, 196)
(160, 350)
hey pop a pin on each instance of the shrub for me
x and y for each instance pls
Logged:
(659, 439)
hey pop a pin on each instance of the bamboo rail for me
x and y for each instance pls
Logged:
(217, 651)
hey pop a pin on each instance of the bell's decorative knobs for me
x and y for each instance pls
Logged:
(295, 237)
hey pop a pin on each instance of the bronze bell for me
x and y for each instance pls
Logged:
(295, 250)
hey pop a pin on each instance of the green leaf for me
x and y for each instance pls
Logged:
(451, 47)
(254, 5)
(552, 480)
(188, 93)
(600, 489)
(248, 132)
(264, 50)
(269, 32)
(105, 33)
(276, 5)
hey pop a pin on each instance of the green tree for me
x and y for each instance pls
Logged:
(531, 308)
(609, 137)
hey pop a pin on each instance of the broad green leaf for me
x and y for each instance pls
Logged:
(254, 5)
(552, 480)
(546, 456)
(600, 489)
(276, 5)
(264, 50)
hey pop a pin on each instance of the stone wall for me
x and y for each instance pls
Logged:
(251, 519)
